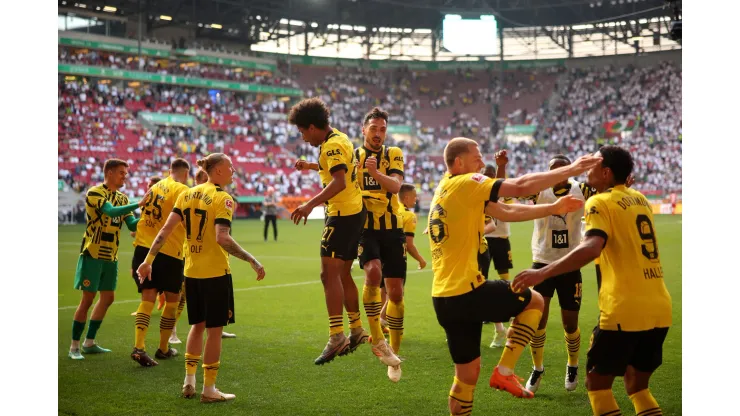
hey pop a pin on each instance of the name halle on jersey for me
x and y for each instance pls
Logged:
(653, 273)
(198, 195)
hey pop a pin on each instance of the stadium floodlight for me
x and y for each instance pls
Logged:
(165, 17)
(216, 26)
(109, 9)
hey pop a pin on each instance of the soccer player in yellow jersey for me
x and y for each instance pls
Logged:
(345, 215)
(462, 298)
(97, 267)
(635, 309)
(206, 211)
(167, 271)
(382, 243)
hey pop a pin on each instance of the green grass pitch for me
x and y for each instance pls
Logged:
(281, 326)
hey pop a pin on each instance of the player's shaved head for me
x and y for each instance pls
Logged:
(406, 188)
(153, 180)
(490, 171)
(179, 163)
(457, 147)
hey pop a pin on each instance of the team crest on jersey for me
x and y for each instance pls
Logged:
(86, 283)
(384, 164)
(229, 205)
(479, 178)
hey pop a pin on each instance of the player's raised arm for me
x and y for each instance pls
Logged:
(518, 212)
(533, 183)
(306, 165)
(394, 180)
(145, 269)
(227, 242)
(337, 185)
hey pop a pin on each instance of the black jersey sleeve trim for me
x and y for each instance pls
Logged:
(392, 171)
(409, 234)
(494, 190)
(338, 168)
(598, 233)
(178, 212)
(222, 221)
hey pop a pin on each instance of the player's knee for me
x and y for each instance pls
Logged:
(635, 382)
(107, 298)
(570, 327)
(537, 301)
(324, 277)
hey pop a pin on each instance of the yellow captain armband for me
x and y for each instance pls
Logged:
(150, 258)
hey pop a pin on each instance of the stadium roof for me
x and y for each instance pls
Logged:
(396, 13)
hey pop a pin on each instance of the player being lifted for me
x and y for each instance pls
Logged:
(167, 270)
(554, 237)
(634, 305)
(97, 267)
(345, 216)
(382, 247)
(462, 298)
(206, 211)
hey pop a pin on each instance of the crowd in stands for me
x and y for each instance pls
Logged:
(639, 108)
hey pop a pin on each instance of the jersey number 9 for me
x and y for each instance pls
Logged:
(647, 234)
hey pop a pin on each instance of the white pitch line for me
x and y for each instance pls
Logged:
(244, 289)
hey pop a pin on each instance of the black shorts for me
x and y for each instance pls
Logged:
(462, 316)
(484, 263)
(500, 249)
(387, 245)
(342, 235)
(569, 287)
(610, 352)
(166, 271)
(210, 300)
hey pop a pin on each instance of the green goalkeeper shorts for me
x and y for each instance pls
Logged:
(95, 275)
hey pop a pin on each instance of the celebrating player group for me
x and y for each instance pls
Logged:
(183, 244)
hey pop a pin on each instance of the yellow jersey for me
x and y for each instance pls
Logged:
(408, 218)
(632, 291)
(336, 154)
(159, 205)
(483, 242)
(455, 231)
(102, 233)
(382, 206)
(201, 208)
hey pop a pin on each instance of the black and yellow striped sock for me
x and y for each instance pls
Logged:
(645, 404)
(372, 302)
(518, 337)
(354, 319)
(180, 307)
(394, 316)
(573, 344)
(603, 403)
(336, 324)
(166, 325)
(210, 372)
(462, 394)
(141, 325)
(537, 346)
(191, 364)
(503, 276)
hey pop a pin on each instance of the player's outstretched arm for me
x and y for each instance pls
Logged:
(533, 183)
(411, 248)
(145, 269)
(131, 223)
(337, 185)
(111, 211)
(306, 165)
(518, 212)
(227, 242)
(585, 253)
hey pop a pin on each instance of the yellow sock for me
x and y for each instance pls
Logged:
(180, 307)
(603, 403)
(519, 335)
(573, 343)
(336, 324)
(394, 315)
(503, 276)
(166, 325)
(463, 394)
(373, 304)
(141, 325)
(210, 372)
(537, 346)
(354, 319)
(645, 404)
(191, 363)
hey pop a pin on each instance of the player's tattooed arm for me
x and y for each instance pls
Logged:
(224, 239)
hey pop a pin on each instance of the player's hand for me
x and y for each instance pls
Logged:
(371, 164)
(302, 165)
(426, 230)
(142, 201)
(566, 204)
(501, 158)
(133, 234)
(259, 269)
(584, 163)
(527, 278)
(422, 264)
(144, 271)
(301, 212)
(630, 181)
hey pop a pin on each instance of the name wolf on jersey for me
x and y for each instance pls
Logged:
(198, 195)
